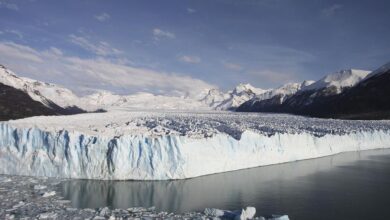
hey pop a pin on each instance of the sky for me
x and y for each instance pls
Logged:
(180, 47)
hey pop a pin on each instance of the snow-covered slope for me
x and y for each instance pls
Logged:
(339, 80)
(348, 94)
(102, 99)
(39, 91)
(293, 96)
(276, 96)
(207, 100)
(212, 97)
(148, 101)
(173, 145)
(381, 70)
(282, 91)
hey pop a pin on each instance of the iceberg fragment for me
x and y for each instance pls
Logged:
(243, 214)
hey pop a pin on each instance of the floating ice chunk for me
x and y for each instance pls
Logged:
(5, 180)
(9, 216)
(20, 204)
(39, 187)
(279, 217)
(48, 194)
(62, 201)
(69, 209)
(141, 209)
(275, 217)
(244, 214)
(48, 215)
(248, 213)
(105, 211)
(214, 212)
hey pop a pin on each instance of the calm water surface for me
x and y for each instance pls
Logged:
(346, 186)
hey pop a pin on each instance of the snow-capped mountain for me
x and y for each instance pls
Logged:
(346, 94)
(282, 92)
(338, 80)
(46, 93)
(274, 97)
(56, 97)
(330, 85)
(23, 97)
(303, 93)
(232, 99)
(15, 103)
(290, 97)
(381, 70)
(211, 99)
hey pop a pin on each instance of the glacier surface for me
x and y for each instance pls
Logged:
(173, 145)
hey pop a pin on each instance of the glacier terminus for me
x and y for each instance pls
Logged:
(156, 145)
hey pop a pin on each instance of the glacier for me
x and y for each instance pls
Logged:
(173, 145)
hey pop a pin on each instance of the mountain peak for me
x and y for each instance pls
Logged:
(340, 79)
(247, 88)
(307, 83)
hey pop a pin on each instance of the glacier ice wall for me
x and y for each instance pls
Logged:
(70, 154)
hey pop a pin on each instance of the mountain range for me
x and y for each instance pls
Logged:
(59, 100)
(344, 94)
(348, 94)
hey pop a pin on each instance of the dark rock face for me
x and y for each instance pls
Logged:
(16, 104)
(369, 99)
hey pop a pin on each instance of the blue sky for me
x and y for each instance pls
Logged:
(174, 47)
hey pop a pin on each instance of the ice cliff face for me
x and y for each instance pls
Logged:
(72, 152)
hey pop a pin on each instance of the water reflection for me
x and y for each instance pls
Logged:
(290, 188)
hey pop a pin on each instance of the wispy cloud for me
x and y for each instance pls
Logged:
(158, 33)
(8, 5)
(55, 51)
(332, 10)
(190, 59)
(14, 32)
(191, 10)
(232, 66)
(94, 73)
(99, 48)
(20, 52)
(102, 17)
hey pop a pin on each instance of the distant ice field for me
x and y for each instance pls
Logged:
(157, 145)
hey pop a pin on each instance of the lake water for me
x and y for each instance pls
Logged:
(352, 185)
